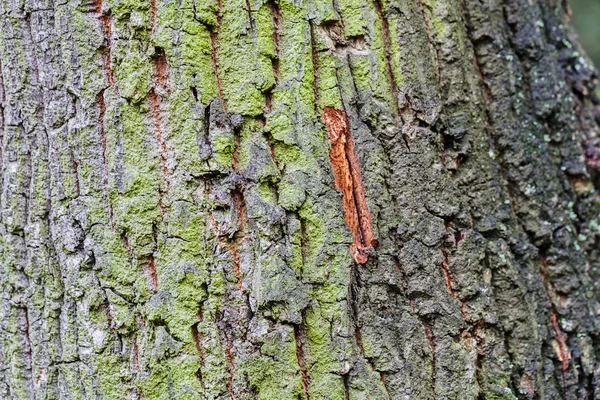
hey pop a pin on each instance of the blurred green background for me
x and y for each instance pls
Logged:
(586, 19)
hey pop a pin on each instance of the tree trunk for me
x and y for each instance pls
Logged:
(373, 199)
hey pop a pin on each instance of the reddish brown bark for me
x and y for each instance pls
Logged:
(348, 180)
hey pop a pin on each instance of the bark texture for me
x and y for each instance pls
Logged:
(250, 199)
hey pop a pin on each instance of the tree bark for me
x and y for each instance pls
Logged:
(297, 200)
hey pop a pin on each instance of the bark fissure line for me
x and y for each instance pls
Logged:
(214, 40)
(154, 99)
(110, 80)
(161, 77)
(348, 180)
(565, 355)
(299, 336)
(198, 339)
(387, 50)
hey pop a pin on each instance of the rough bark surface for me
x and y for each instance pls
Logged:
(249, 199)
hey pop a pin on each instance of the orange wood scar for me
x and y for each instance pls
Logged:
(349, 181)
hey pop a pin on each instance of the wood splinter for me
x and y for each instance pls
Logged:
(348, 180)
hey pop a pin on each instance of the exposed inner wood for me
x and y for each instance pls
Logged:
(348, 180)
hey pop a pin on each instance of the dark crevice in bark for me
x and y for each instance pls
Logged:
(385, 386)
(161, 68)
(239, 209)
(75, 166)
(224, 334)
(473, 327)
(431, 342)
(214, 39)
(430, 39)
(29, 348)
(102, 107)
(345, 380)
(105, 25)
(315, 62)
(136, 364)
(277, 29)
(300, 339)
(249, 10)
(355, 285)
(269, 140)
(198, 339)
(447, 274)
(565, 355)
(303, 239)
(158, 131)
(153, 13)
(388, 52)
(236, 263)
(151, 272)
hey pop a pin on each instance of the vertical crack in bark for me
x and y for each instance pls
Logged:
(385, 386)
(430, 39)
(75, 166)
(361, 349)
(274, 6)
(107, 33)
(151, 261)
(300, 336)
(236, 264)
(564, 354)
(447, 276)
(223, 332)
(161, 73)
(152, 15)
(387, 50)
(161, 67)
(249, 10)
(348, 181)
(315, 62)
(231, 363)
(276, 16)
(110, 79)
(136, 359)
(355, 282)
(431, 341)
(198, 338)
(154, 99)
(102, 107)
(214, 36)
(151, 271)
(272, 149)
(425, 23)
(29, 348)
(303, 239)
(109, 316)
(136, 365)
(236, 150)
(239, 207)
(160, 70)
